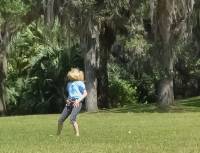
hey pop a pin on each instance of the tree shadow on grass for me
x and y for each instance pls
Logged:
(190, 104)
(185, 105)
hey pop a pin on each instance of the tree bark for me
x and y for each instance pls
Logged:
(170, 21)
(165, 88)
(4, 39)
(90, 45)
(3, 68)
(165, 56)
(91, 79)
(165, 92)
(49, 16)
(103, 79)
(107, 38)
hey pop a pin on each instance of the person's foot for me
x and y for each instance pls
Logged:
(77, 134)
(60, 126)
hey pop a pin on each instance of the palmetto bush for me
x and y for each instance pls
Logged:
(36, 69)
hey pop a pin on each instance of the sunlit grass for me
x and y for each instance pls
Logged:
(106, 132)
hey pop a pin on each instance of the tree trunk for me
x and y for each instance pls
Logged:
(165, 92)
(91, 80)
(169, 24)
(165, 56)
(48, 6)
(103, 79)
(4, 39)
(165, 87)
(107, 38)
(3, 69)
(90, 45)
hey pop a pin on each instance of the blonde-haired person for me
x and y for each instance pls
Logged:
(81, 76)
(76, 93)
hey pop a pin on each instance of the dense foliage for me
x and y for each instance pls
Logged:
(37, 69)
(49, 38)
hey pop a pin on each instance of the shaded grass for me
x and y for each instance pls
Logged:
(107, 132)
(185, 105)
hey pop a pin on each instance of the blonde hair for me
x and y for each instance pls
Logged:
(75, 75)
(81, 76)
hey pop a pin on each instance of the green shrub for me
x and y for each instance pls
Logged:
(145, 92)
(121, 91)
(37, 67)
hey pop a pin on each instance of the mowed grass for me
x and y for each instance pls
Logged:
(112, 131)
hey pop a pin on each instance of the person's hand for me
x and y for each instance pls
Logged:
(76, 103)
(67, 101)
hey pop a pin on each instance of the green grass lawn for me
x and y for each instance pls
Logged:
(134, 129)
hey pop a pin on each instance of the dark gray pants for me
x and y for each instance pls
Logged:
(69, 110)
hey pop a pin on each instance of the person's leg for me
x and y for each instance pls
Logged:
(76, 129)
(65, 113)
(73, 116)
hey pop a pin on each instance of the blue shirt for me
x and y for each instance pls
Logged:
(75, 89)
